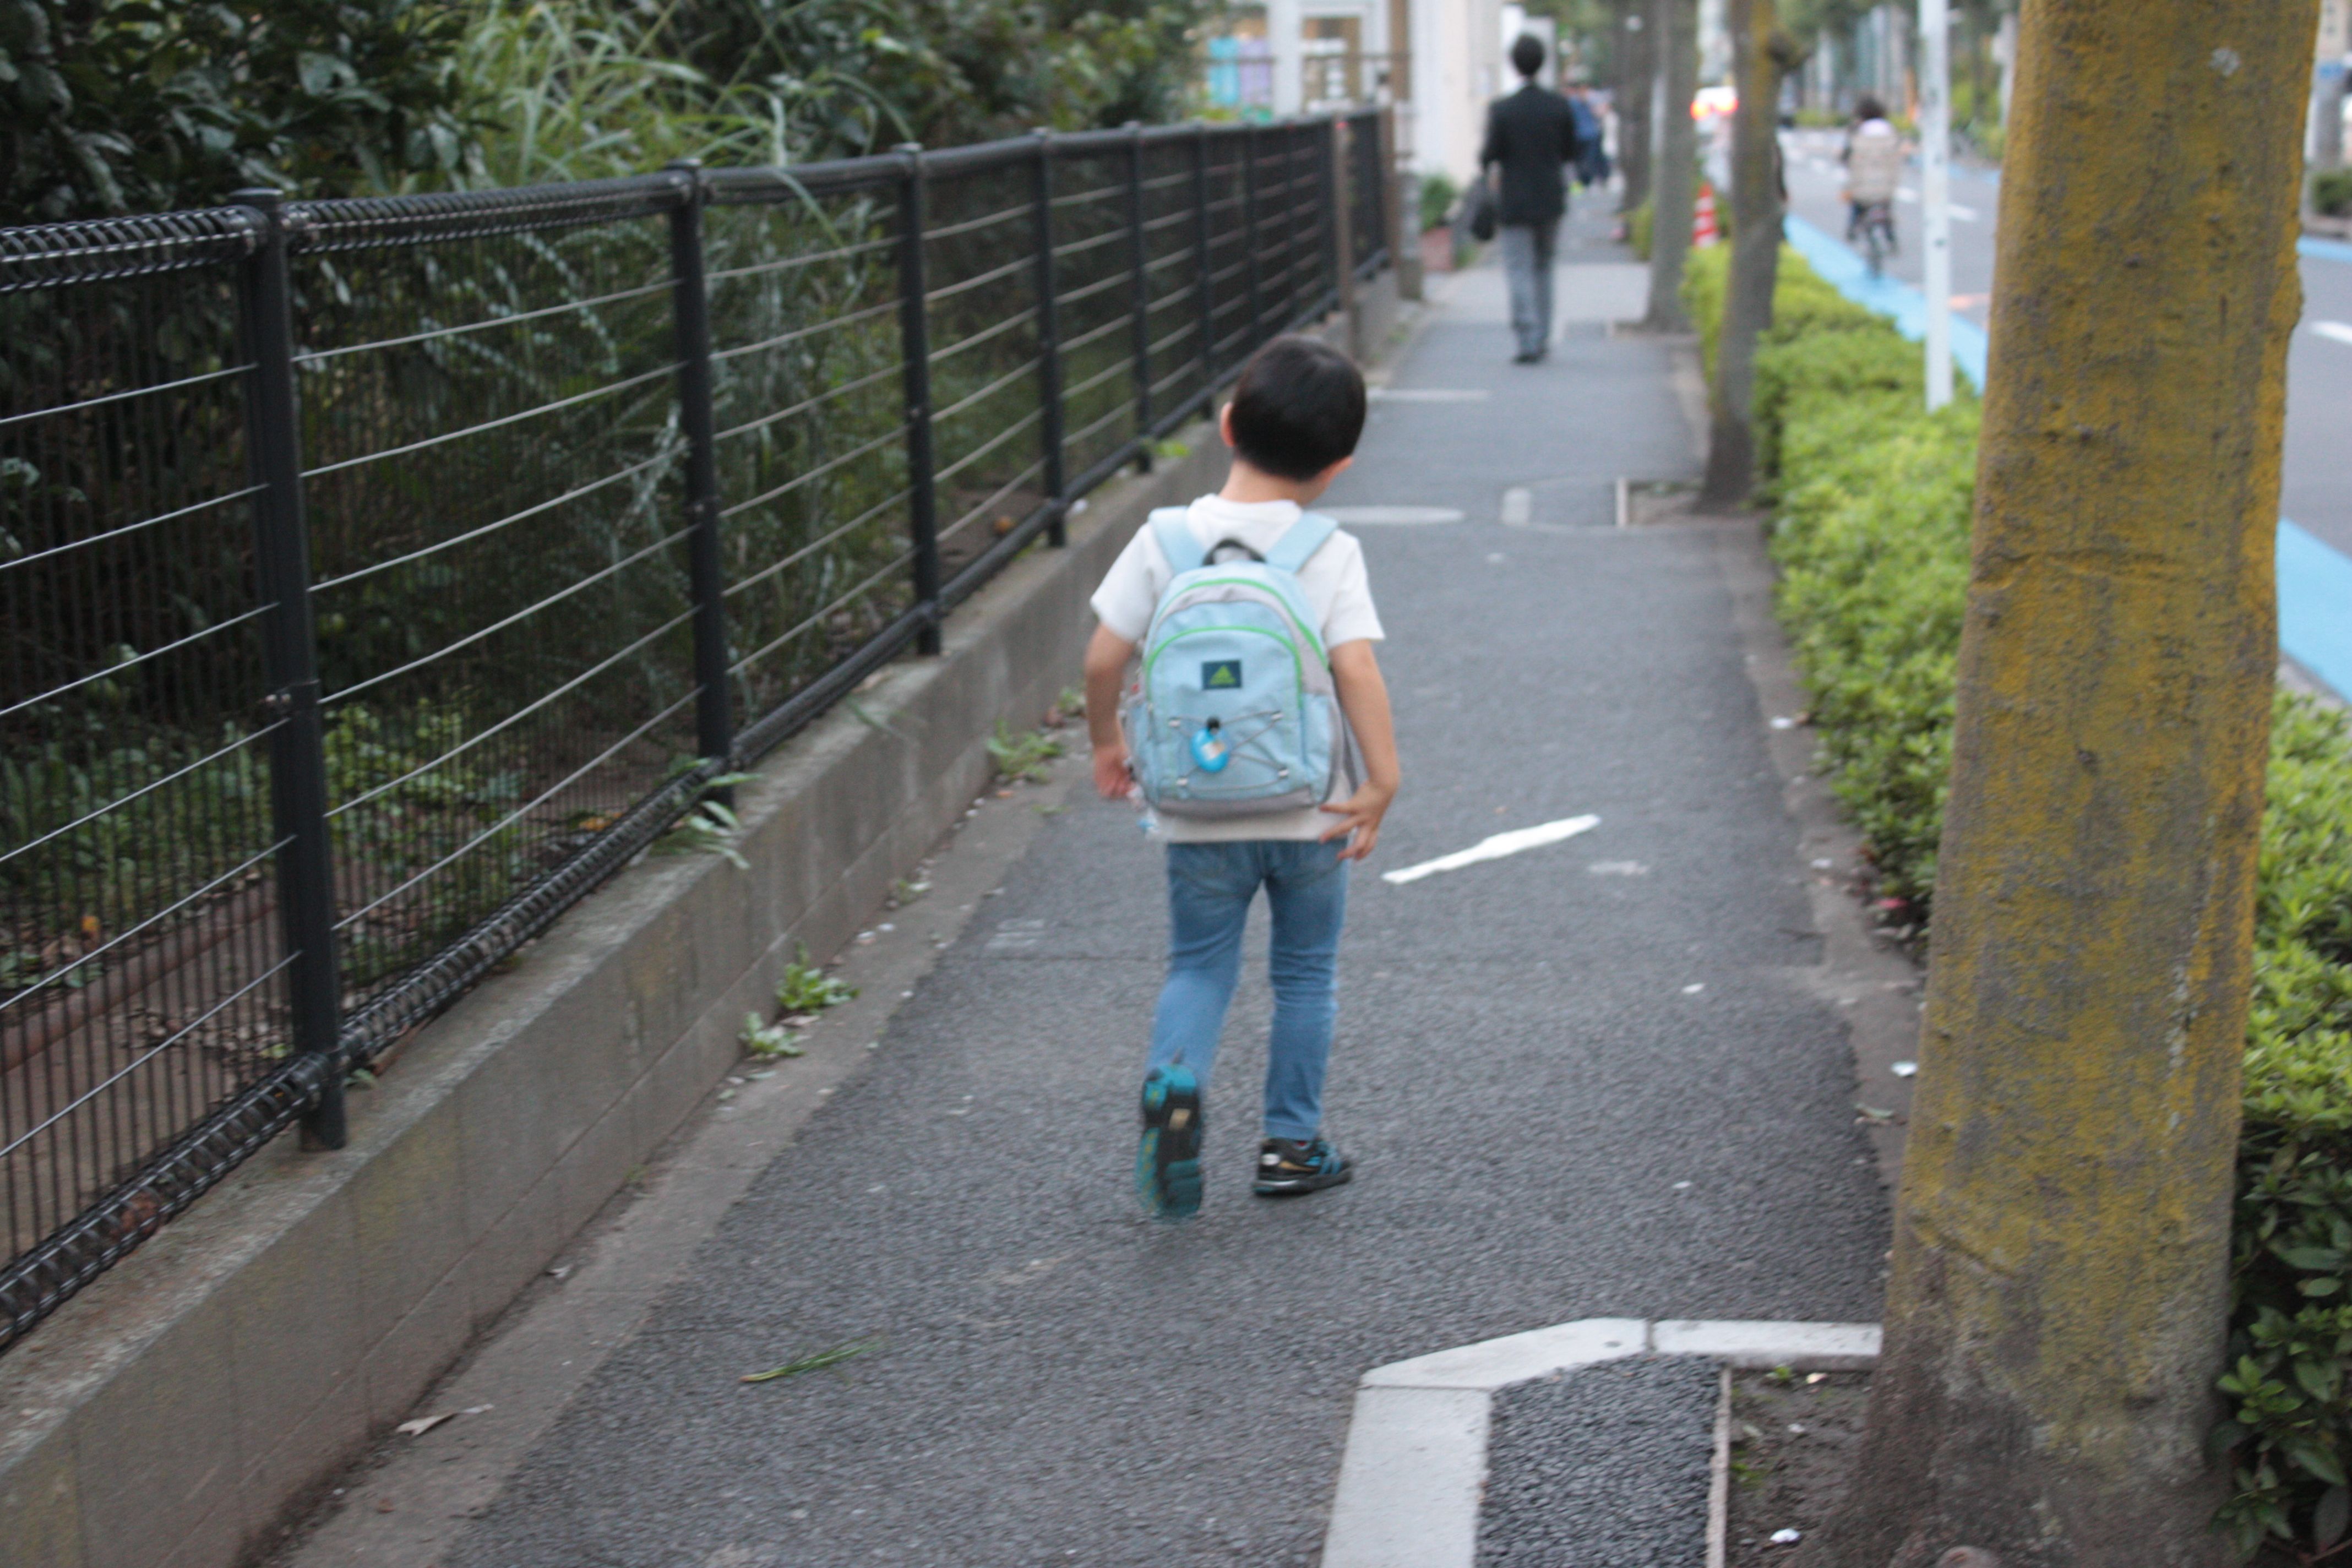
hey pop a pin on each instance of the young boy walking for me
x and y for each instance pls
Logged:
(1293, 425)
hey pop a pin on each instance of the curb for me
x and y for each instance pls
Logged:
(1414, 1470)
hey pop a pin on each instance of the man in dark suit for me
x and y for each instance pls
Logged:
(1532, 135)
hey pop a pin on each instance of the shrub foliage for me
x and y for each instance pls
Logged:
(129, 106)
(1873, 498)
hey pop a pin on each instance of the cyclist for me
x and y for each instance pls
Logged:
(1873, 168)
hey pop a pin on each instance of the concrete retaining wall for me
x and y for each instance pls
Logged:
(175, 1412)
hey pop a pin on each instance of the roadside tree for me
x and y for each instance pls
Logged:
(2055, 1315)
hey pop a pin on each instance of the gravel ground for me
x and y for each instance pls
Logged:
(1793, 1440)
(1605, 1467)
(1586, 1080)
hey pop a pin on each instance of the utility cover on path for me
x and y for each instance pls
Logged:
(1571, 1094)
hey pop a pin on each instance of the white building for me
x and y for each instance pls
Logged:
(1438, 61)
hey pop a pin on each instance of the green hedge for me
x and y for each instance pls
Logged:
(1872, 499)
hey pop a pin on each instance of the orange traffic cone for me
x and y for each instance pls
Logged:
(1703, 229)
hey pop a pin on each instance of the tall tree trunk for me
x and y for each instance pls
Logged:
(2055, 1315)
(1674, 180)
(1759, 55)
(1636, 63)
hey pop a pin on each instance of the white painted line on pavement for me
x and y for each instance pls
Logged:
(1414, 1467)
(2339, 331)
(1965, 214)
(1392, 516)
(1519, 506)
(1495, 848)
(1427, 394)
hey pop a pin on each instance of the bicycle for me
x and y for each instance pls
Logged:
(1873, 223)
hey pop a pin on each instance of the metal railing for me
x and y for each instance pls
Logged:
(378, 577)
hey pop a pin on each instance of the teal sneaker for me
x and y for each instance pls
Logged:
(1167, 1161)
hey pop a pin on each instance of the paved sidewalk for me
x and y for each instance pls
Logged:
(1586, 1080)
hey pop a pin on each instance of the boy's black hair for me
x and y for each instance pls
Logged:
(1297, 409)
(1527, 55)
(1868, 108)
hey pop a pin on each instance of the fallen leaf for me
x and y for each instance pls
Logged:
(833, 1357)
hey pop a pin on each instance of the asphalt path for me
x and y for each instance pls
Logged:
(1586, 1080)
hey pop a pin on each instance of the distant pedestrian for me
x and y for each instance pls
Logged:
(1592, 142)
(1532, 135)
(1242, 730)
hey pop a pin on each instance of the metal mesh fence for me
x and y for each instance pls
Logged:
(377, 578)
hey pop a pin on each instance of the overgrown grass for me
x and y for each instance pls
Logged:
(1873, 498)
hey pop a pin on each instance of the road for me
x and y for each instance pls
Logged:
(2317, 493)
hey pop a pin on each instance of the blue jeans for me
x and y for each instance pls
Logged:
(1527, 252)
(1210, 887)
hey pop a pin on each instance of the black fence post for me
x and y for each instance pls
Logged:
(915, 342)
(1138, 245)
(1340, 239)
(714, 729)
(298, 757)
(1374, 174)
(1249, 235)
(1202, 255)
(1049, 344)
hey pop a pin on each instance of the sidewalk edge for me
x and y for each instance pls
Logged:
(1414, 1470)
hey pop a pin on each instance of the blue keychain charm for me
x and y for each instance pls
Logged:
(1211, 749)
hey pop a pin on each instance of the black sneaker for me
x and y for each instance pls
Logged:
(1287, 1166)
(1168, 1159)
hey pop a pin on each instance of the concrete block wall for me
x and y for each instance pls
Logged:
(176, 1413)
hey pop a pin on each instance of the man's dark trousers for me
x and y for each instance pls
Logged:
(1531, 135)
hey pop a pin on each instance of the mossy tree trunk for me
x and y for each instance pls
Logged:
(1636, 63)
(1760, 53)
(1673, 179)
(2055, 1315)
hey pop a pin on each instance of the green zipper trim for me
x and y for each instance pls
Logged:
(1304, 630)
(1297, 665)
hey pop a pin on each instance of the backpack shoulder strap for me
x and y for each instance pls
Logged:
(1300, 540)
(1174, 533)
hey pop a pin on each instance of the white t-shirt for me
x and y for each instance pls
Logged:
(1338, 592)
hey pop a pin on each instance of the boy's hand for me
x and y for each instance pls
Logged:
(1106, 656)
(1360, 815)
(1364, 697)
(1111, 779)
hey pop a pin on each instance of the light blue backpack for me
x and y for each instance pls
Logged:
(1234, 712)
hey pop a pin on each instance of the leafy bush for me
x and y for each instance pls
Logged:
(2331, 191)
(1438, 195)
(2291, 1324)
(115, 106)
(1871, 537)
(112, 106)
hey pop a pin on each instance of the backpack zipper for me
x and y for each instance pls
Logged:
(1313, 641)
